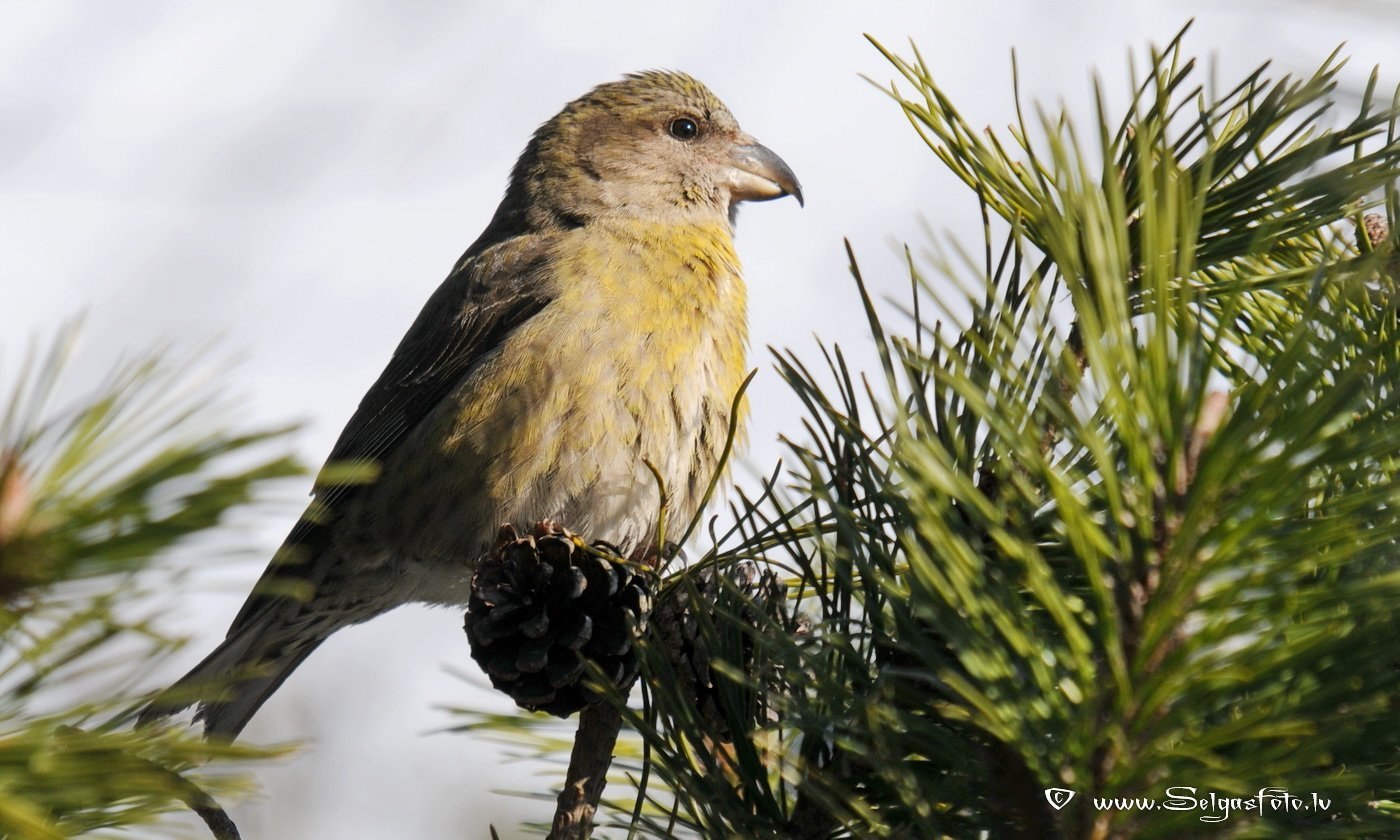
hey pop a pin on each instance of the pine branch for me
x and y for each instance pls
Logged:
(92, 496)
(598, 726)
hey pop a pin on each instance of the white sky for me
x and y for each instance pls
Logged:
(297, 177)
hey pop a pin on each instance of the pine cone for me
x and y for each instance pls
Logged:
(676, 626)
(542, 605)
(1375, 228)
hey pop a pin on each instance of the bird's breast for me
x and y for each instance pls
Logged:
(636, 361)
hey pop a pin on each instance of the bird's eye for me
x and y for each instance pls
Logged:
(684, 128)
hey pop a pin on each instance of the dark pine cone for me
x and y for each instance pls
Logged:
(542, 605)
(752, 596)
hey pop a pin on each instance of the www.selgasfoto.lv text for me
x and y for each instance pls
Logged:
(1217, 807)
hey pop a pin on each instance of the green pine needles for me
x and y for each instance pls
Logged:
(94, 492)
(1128, 530)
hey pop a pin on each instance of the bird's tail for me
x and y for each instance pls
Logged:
(233, 682)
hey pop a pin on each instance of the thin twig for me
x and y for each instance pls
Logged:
(190, 793)
(598, 726)
(220, 824)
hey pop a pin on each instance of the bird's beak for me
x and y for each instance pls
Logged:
(757, 174)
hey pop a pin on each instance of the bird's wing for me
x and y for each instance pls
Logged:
(491, 292)
(469, 316)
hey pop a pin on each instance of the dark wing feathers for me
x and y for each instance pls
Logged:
(488, 295)
(464, 320)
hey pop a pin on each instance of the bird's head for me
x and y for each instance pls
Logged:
(657, 145)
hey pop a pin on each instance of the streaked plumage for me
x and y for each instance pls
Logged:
(598, 322)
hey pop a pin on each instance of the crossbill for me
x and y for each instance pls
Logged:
(597, 326)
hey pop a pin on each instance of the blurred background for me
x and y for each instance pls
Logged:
(293, 180)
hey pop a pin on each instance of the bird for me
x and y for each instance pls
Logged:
(595, 331)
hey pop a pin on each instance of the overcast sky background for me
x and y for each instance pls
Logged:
(296, 178)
